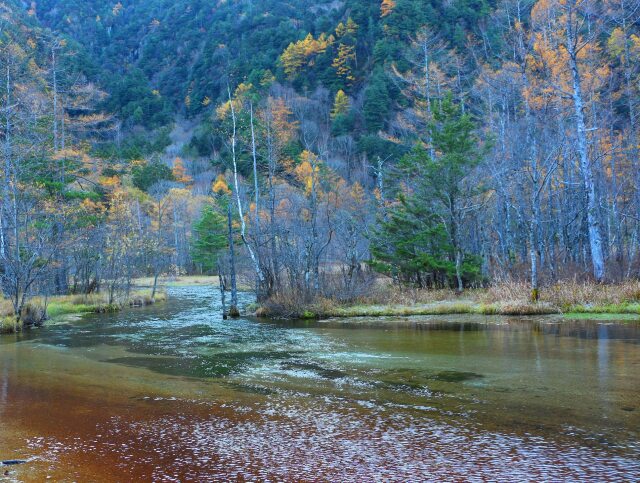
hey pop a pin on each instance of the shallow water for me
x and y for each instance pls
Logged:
(174, 393)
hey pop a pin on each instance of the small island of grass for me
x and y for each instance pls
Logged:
(569, 299)
(40, 309)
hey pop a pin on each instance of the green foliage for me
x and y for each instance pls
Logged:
(135, 101)
(203, 141)
(343, 124)
(374, 146)
(418, 239)
(210, 238)
(145, 176)
(377, 102)
(412, 243)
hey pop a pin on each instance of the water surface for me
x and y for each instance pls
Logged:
(175, 393)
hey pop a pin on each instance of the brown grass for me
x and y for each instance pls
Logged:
(506, 298)
(34, 312)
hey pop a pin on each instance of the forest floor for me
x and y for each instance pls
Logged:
(71, 304)
(571, 299)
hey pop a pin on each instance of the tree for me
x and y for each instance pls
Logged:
(386, 8)
(344, 63)
(458, 152)
(209, 238)
(299, 54)
(412, 245)
(146, 174)
(565, 40)
(179, 172)
(377, 103)
(429, 219)
(340, 104)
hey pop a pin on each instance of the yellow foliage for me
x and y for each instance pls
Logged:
(387, 7)
(220, 186)
(301, 53)
(357, 193)
(352, 27)
(267, 79)
(282, 126)
(343, 63)
(305, 172)
(238, 97)
(138, 163)
(110, 182)
(340, 104)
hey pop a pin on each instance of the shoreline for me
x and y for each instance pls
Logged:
(570, 299)
(455, 308)
(65, 305)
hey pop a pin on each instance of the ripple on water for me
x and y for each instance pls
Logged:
(330, 441)
(314, 403)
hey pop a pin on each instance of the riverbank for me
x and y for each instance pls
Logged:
(71, 304)
(570, 299)
(187, 281)
(177, 281)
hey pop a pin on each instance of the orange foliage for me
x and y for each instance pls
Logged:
(387, 7)
(180, 173)
(220, 186)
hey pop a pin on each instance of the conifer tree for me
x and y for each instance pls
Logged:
(340, 104)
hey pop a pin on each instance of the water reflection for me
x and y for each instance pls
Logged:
(175, 392)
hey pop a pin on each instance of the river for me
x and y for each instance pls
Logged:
(174, 393)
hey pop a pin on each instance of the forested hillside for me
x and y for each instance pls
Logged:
(314, 146)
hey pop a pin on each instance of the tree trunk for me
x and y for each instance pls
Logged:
(155, 284)
(233, 310)
(593, 223)
(460, 287)
(237, 193)
(223, 295)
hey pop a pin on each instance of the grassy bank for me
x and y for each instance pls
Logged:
(572, 299)
(187, 281)
(72, 304)
(180, 281)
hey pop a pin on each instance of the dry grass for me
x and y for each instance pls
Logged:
(9, 325)
(574, 296)
(34, 311)
(177, 281)
(507, 298)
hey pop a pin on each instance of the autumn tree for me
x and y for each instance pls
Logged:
(340, 104)
(565, 41)
(386, 8)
